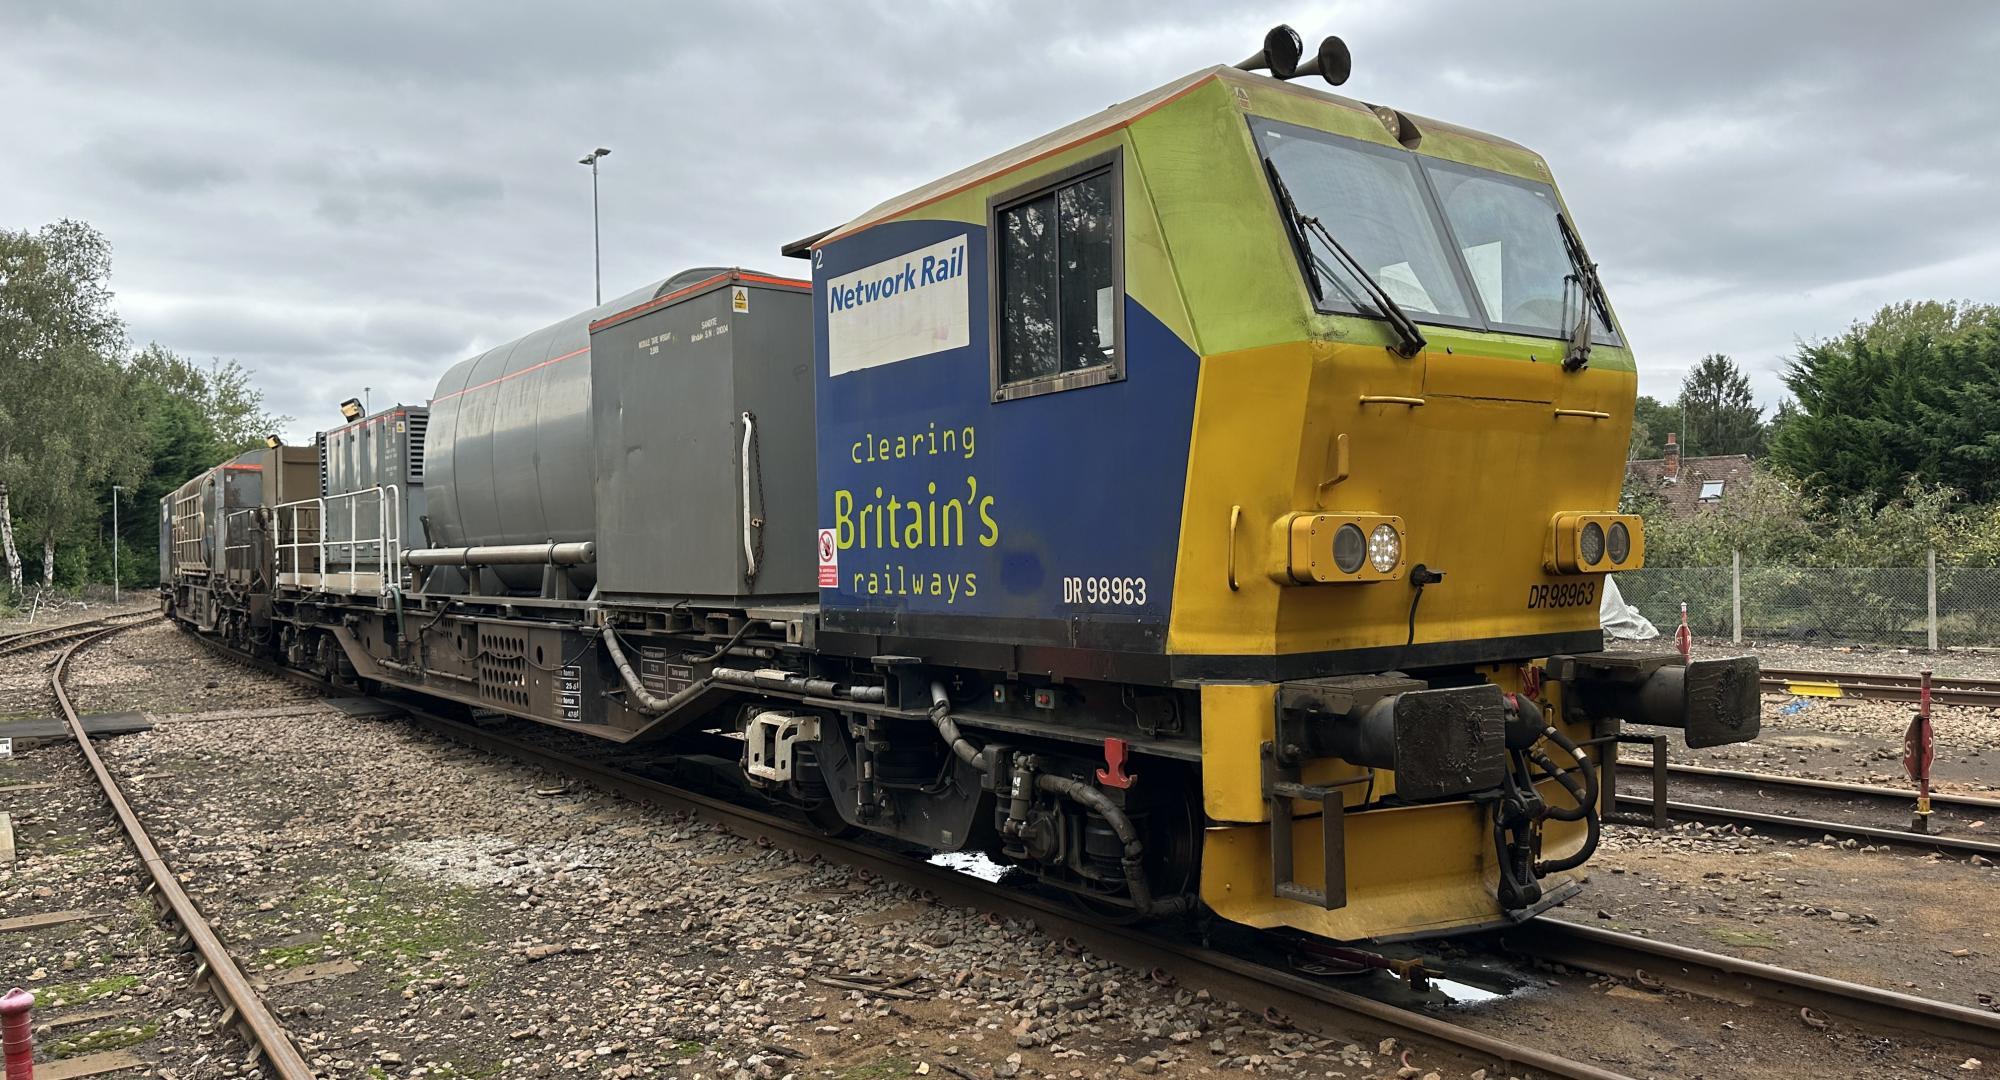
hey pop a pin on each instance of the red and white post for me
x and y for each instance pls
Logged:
(17, 1035)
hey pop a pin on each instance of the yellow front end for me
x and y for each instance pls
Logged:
(1480, 451)
(1476, 473)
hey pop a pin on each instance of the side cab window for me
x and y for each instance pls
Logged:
(1057, 251)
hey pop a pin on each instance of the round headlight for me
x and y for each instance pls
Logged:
(1349, 548)
(1385, 548)
(1619, 542)
(1590, 544)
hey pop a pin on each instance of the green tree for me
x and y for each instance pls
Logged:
(1721, 415)
(1654, 421)
(190, 418)
(1911, 396)
(1785, 413)
(58, 339)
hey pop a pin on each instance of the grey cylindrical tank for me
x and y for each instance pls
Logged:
(509, 454)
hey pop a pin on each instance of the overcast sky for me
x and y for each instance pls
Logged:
(352, 194)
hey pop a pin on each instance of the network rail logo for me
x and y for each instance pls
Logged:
(898, 309)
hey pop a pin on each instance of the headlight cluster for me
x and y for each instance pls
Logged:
(1331, 549)
(1581, 543)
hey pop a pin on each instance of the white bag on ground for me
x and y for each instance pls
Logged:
(1620, 619)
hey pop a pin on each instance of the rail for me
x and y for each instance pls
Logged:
(1839, 804)
(1989, 803)
(310, 554)
(1607, 952)
(42, 637)
(1880, 686)
(218, 969)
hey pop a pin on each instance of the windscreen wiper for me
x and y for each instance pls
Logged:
(1410, 340)
(1583, 274)
(1295, 231)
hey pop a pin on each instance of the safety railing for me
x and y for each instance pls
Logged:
(190, 526)
(348, 543)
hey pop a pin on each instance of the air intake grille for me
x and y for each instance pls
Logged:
(503, 668)
(319, 443)
(420, 423)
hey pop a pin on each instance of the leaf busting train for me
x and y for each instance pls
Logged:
(1202, 507)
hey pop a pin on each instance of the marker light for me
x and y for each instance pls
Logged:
(1587, 542)
(1620, 542)
(1385, 548)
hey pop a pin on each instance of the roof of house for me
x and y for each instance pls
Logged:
(1701, 481)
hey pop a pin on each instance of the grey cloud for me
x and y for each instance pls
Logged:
(148, 167)
(364, 193)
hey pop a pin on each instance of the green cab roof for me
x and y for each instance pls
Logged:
(1255, 93)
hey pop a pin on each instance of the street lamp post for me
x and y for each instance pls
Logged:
(596, 245)
(115, 491)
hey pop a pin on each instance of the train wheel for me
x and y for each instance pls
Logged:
(323, 655)
(828, 820)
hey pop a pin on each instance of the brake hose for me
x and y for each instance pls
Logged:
(1586, 803)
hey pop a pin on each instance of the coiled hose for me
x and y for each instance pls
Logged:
(1584, 792)
(1128, 834)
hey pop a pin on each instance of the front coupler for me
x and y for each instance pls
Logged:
(1712, 702)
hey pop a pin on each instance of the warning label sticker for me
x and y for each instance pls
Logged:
(739, 298)
(829, 559)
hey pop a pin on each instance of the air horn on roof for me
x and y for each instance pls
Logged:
(1280, 55)
(1334, 63)
(1283, 50)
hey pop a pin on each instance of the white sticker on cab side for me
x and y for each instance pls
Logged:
(900, 308)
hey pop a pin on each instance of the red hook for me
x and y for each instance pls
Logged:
(1114, 774)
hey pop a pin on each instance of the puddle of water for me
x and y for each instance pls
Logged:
(974, 863)
(1464, 993)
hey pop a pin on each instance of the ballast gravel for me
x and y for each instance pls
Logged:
(420, 909)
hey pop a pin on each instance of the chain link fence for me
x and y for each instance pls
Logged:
(1919, 607)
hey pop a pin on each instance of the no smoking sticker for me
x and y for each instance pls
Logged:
(829, 560)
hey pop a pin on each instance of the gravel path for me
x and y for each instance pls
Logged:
(420, 909)
(417, 909)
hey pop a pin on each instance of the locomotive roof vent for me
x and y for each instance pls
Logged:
(1284, 50)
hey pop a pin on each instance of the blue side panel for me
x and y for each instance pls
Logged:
(1051, 520)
